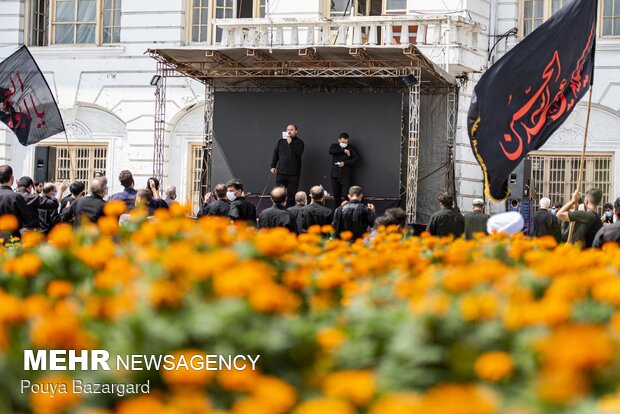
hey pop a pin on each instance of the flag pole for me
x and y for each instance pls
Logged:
(581, 163)
(72, 175)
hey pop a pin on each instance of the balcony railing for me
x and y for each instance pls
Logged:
(379, 31)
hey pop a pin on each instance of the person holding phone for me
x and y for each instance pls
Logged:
(344, 157)
(286, 162)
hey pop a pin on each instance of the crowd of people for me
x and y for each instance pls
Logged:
(588, 228)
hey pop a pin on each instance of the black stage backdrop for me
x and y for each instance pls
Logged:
(249, 124)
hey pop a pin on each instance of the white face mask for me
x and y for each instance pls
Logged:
(231, 196)
(343, 145)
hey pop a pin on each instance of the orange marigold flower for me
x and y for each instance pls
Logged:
(27, 265)
(458, 399)
(274, 393)
(271, 297)
(252, 405)
(562, 386)
(275, 242)
(189, 374)
(149, 403)
(180, 210)
(61, 236)
(330, 338)
(31, 239)
(325, 406)
(8, 223)
(355, 386)
(11, 310)
(397, 403)
(59, 288)
(346, 235)
(108, 225)
(114, 208)
(327, 228)
(60, 402)
(237, 380)
(481, 306)
(494, 366)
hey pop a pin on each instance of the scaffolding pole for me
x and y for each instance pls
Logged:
(160, 123)
(207, 145)
(452, 106)
(413, 146)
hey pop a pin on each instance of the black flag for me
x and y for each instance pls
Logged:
(525, 97)
(26, 102)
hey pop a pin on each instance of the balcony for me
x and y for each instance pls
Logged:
(450, 41)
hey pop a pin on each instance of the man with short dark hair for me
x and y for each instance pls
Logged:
(587, 223)
(10, 201)
(277, 215)
(49, 214)
(38, 187)
(219, 207)
(611, 232)
(128, 195)
(316, 213)
(25, 187)
(90, 206)
(446, 221)
(354, 216)
(476, 220)
(240, 208)
(76, 190)
(344, 157)
(301, 199)
(286, 161)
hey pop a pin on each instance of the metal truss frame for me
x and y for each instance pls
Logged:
(413, 147)
(160, 123)
(207, 145)
(452, 108)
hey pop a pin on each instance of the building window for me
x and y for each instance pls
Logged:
(204, 11)
(87, 159)
(73, 22)
(611, 18)
(395, 7)
(111, 21)
(555, 175)
(535, 12)
(194, 179)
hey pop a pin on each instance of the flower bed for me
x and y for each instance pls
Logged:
(416, 325)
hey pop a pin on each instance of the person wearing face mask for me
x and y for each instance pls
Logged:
(545, 223)
(608, 214)
(344, 157)
(240, 208)
(611, 232)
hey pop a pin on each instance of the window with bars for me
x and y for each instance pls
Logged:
(87, 160)
(73, 22)
(611, 18)
(194, 179)
(555, 175)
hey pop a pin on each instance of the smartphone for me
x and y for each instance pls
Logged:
(284, 135)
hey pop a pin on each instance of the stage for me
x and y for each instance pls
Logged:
(397, 106)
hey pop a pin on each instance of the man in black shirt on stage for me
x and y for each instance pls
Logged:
(344, 157)
(286, 161)
(277, 215)
(240, 208)
(219, 207)
(316, 212)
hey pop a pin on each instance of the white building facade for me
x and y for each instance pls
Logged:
(92, 53)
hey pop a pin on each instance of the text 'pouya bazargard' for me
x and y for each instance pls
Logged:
(99, 359)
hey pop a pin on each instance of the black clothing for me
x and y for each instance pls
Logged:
(342, 177)
(170, 201)
(317, 213)
(354, 217)
(277, 216)
(297, 210)
(215, 208)
(287, 157)
(587, 224)
(291, 182)
(90, 206)
(242, 209)
(546, 224)
(609, 233)
(475, 222)
(66, 215)
(446, 222)
(48, 213)
(31, 221)
(157, 204)
(13, 203)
